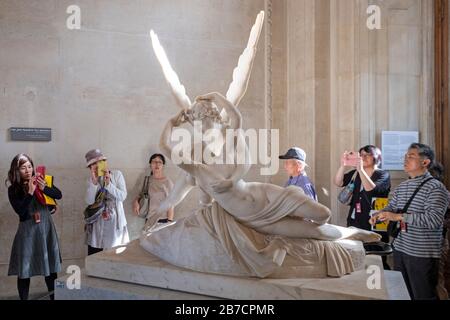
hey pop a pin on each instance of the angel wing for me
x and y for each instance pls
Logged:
(241, 73)
(172, 79)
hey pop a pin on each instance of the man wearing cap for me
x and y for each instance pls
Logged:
(295, 165)
(106, 225)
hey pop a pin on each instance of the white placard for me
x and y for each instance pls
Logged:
(394, 146)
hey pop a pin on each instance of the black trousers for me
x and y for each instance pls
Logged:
(23, 286)
(420, 275)
(92, 250)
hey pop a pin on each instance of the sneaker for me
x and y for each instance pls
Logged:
(164, 220)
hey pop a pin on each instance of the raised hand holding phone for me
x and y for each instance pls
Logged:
(101, 168)
(343, 157)
(351, 159)
(40, 171)
(103, 172)
(41, 183)
(40, 177)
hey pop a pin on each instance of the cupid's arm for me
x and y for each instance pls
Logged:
(166, 135)
(222, 102)
(242, 165)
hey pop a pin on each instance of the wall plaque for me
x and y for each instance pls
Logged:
(394, 146)
(30, 134)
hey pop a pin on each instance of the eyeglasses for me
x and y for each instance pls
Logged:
(157, 162)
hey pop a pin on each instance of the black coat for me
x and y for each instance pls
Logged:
(382, 181)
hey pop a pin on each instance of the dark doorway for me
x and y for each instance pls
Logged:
(441, 115)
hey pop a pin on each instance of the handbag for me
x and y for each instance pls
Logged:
(393, 228)
(346, 194)
(94, 211)
(144, 200)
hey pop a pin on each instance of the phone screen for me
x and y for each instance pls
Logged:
(41, 171)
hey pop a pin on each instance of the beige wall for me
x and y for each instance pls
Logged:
(101, 86)
(346, 83)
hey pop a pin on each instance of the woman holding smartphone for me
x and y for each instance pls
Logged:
(370, 182)
(35, 250)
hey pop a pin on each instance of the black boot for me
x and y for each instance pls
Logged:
(23, 286)
(50, 282)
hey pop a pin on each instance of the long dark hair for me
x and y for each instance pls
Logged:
(14, 177)
(157, 155)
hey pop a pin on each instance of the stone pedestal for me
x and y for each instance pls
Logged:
(138, 274)
(93, 288)
(102, 289)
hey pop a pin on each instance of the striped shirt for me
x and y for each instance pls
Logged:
(425, 216)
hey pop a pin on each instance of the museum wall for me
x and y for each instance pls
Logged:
(321, 78)
(347, 84)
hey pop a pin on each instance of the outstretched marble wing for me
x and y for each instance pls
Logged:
(172, 79)
(241, 73)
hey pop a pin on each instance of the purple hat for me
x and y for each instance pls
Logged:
(94, 156)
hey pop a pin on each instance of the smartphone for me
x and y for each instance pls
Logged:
(351, 160)
(101, 168)
(40, 170)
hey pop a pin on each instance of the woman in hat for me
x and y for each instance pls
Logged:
(35, 249)
(106, 191)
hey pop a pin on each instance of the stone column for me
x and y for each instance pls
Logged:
(384, 78)
(301, 90)
(277, 46)
(346, 83)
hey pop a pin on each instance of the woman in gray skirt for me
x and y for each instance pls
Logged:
(35, 250)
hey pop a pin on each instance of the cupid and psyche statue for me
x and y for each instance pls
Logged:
(241, 228)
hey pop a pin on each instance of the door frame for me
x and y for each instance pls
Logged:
(441, 114)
